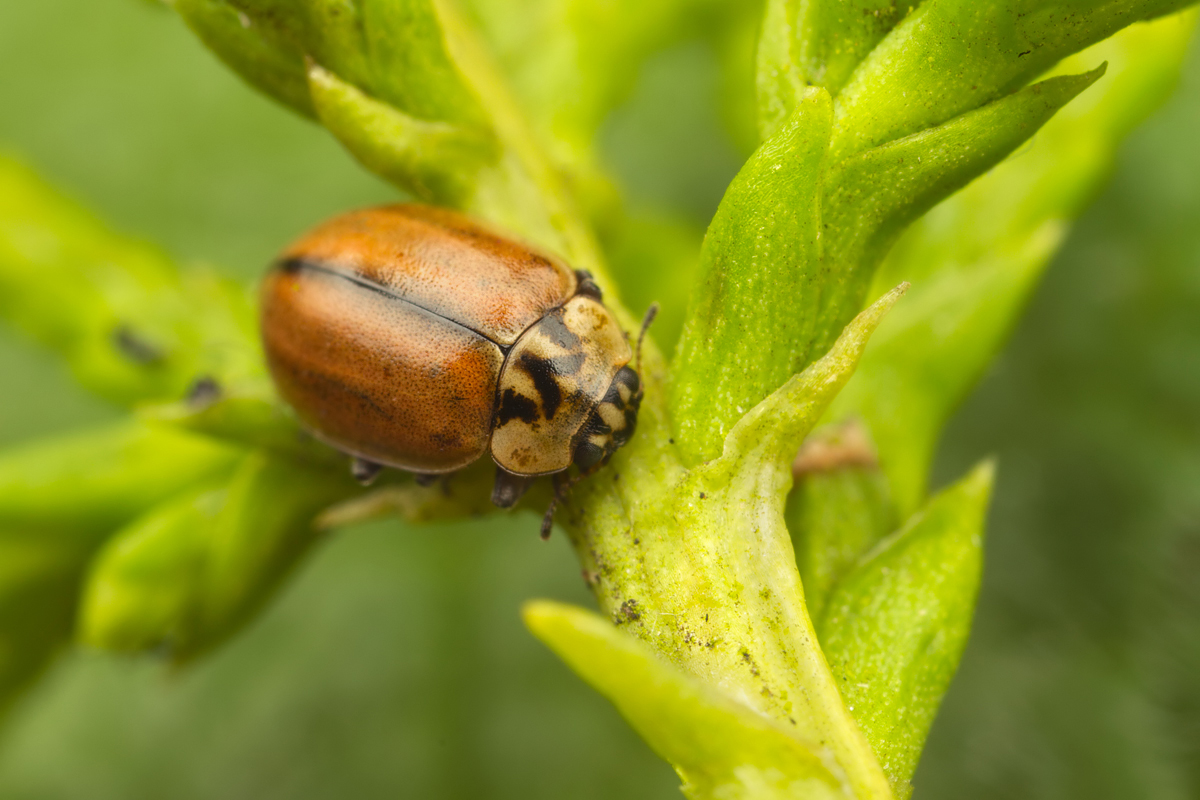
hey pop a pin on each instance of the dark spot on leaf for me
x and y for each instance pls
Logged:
(203, 393)
(136, 348)
(629, 611)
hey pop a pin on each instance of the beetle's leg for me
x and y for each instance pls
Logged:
(365, 472)
(508, 488)
(562, 486)
(426, 479)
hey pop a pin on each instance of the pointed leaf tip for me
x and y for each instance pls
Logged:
(772, 430)
(875, 313)
(894, 628)
(720, 748)
(437, 161)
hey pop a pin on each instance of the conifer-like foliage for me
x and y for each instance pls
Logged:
(773, 625)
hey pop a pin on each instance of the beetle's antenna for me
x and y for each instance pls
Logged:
(651, 313)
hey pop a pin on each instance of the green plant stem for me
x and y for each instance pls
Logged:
(699, 564)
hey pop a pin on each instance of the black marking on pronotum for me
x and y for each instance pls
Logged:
(566, 365)
(540, 372)
(135, 347)
(515, 406)
(296, 264)
(554, 329)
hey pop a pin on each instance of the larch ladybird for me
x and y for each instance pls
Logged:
(412, 337)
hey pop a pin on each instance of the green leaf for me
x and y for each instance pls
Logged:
(144, 589)
(79, 488)
(839, 508)
(739, 342)
(38, 586)
(264, 528)
(895, 627)
(974, 259)
(59, 500)
(377, 73)
(436, 161)
(413, 66)
(834, 36)
(720, 748)
(814, 43)
(701, 566)
(129, 323)
(771, 295)
(269, 62)
(950, 56)
(772, 428)
(571, 61)
(871, 197)
(193, 571)
(393, 50)
(779, 83)
(257, 420)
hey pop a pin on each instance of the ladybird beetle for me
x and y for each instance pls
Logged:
(412, 337)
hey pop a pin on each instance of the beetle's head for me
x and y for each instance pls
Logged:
(612, 422)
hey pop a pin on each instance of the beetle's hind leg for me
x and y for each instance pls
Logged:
(427, 479)
(509, 488)
(365, 472)
(562, 487)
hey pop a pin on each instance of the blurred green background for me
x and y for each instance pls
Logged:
(395, 665)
